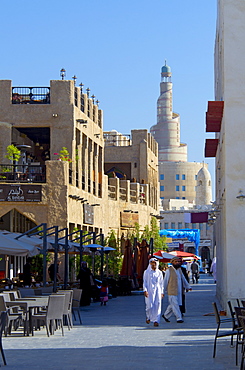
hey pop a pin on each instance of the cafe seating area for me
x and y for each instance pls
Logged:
(28, 310)
(236, 333)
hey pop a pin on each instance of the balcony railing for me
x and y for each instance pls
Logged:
(22, 173)
(30, 95)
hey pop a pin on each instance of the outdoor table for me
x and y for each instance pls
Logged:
(27, 305)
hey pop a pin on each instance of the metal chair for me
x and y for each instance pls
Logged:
(222, 334)
(242, 321)
(77, 293)
(3, 318)
(240, 335)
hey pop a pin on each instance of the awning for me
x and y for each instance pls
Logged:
(192, 235)
(211, 146)
(27, 246)
(214, 116)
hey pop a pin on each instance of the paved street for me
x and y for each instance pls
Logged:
(117, 337)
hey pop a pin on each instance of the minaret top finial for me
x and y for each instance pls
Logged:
(166, 70)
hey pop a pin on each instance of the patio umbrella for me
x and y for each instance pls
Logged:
(15, 247)
(127, 265)
(163, 256)
(143, 259)
(182, 254)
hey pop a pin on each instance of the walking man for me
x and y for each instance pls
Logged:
(174, 282)
(195, 272)
(153, 291)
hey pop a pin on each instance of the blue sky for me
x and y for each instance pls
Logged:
(117, 49)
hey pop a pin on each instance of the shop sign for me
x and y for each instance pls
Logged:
(129, 219)
(88, 214)
(20, 193)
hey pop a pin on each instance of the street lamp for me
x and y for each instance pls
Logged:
(62, 73)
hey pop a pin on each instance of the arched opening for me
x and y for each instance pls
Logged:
(191, 250)
(205, 254)
(16, 222)
(200, 182)
(13, 221)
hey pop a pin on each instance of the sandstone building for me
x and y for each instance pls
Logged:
(225, 118)
(60, 177)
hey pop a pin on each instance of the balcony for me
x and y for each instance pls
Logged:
(214, 116)
(22, 173)
(30, 95)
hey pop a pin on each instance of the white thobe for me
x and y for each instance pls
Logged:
(175, 301)
(153, 284)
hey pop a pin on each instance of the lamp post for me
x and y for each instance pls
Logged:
(62, 73)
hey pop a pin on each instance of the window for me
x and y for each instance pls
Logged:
(200, 226)
(177, 197)
(166, 225)
(183, 197)
(162, 177)
(177, 177)
(194, 226)
(195, 177)
(183, 187)
(177, 188)
(183, 177)
(186, 225)
(172, 225)
(179, 225)
(162, 188)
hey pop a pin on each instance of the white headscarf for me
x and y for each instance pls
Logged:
(149, 268)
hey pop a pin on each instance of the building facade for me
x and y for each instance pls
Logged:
(225, 117)
(59, 178)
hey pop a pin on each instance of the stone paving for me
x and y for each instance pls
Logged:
(117, 337)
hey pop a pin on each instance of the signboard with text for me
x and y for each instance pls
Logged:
(129, 219)
(20, 193)
(88, 213)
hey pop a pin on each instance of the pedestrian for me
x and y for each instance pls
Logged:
(195, 271)
(51, 271)
(27, 277)
(153, 291)
(185, 273)
(86, 278)
(104, 291)
(174, 281)
(213, 269)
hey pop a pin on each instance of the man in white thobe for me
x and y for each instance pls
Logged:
(174, 282)
(153, 292)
